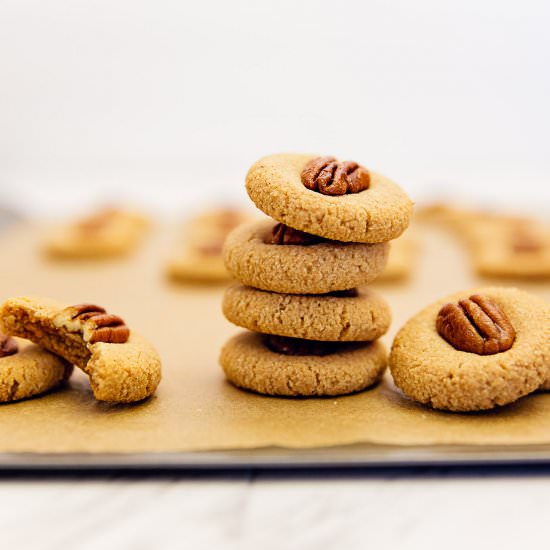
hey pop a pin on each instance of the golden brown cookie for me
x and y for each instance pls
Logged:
(109, 232)
(300, 269)
(28, 370)
(345, 316)
(503, 246)
(201, 260)
(377, 214)
(444, 214)
(435, 358)
(122, 366)
(249, 363)
(499, 245)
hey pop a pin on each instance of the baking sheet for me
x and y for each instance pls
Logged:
(197, 418)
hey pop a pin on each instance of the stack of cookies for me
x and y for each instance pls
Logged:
(314, 327)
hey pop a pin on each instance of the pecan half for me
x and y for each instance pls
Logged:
(329, 176)
(105, 327)
(282, 234)
(8, 345)
(476, 325)
(297, 346)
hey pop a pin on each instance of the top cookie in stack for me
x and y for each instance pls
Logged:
(334, 221)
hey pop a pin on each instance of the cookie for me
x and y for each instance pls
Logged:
(109, 232)
(509, 247)
(248, 363)
(376, 214)
(346, 316)
(401, 261)
(300, 269)
(217, 220)
(490, 347)
(499, 245)
(121, 365)
(441, 213)
(201, 260)
(28, 370)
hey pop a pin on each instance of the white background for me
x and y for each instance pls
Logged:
(168, 102)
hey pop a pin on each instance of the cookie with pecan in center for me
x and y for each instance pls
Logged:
(474, 350)
(322, 196)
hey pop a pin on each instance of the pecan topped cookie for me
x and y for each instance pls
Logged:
(105, 233)
(122, 366)
(315, 330)
(340, 201)
(474, 350)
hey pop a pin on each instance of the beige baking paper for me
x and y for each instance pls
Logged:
(195, 408)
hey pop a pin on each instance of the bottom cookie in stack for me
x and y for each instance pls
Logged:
(305, 345)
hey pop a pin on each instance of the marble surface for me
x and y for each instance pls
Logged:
(405, 508)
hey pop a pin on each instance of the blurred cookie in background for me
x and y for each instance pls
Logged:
(500, 245)
(510, 247)
(108, 232)
(442, 214)
(402, 261)
(200, 260)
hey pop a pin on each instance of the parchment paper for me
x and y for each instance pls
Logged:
(195, 408)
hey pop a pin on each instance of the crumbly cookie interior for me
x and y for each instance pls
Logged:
(42, 331)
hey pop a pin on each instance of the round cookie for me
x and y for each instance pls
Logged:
(299, 269)
(362, 316)
(430, 370)
(31, 372)
(249, 364)
(378, 214)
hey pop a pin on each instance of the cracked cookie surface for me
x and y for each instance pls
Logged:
(363, 316)
(431, 371)
(118, 372)
(296, 269)
(378, 214)
(249, 364)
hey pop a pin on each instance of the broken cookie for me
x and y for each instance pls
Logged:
(122, 366)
